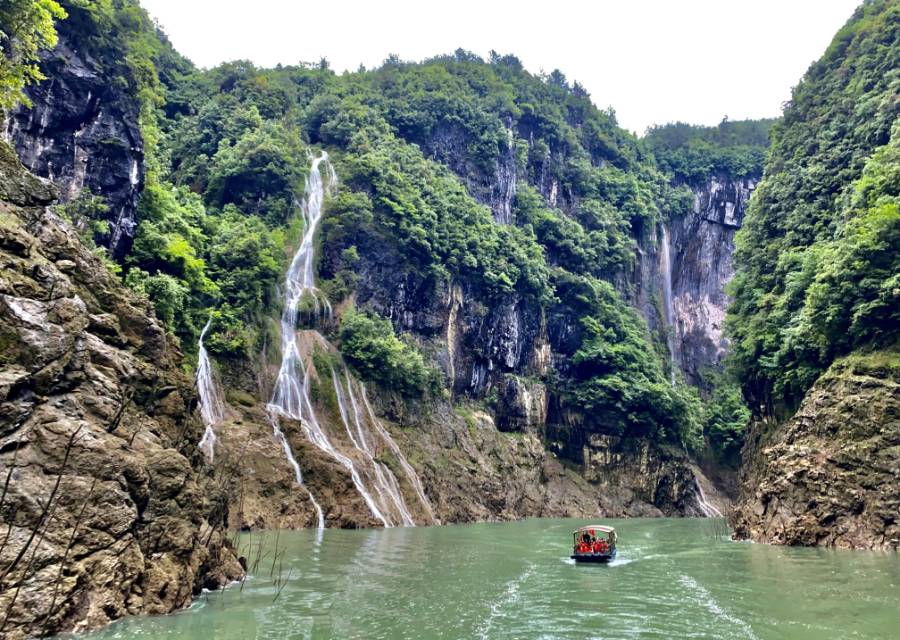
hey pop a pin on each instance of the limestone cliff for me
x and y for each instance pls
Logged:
(830, 476)
(474, 462)
(82, 133)
(701, 249)
(103, 512)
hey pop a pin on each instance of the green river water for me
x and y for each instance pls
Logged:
(674, 578)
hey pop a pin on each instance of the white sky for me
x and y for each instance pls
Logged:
(654, 61)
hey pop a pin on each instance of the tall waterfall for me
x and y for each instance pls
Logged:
(373, 480)
(290, 394)
(665, 263)
(212, 407)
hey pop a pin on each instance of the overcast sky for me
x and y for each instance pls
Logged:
(653, 61)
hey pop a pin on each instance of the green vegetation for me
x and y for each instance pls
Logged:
(26, 27)
(418, 148)
(817, 259)
(693, 153)
(369, 344)
(616, 379)
(725, 420)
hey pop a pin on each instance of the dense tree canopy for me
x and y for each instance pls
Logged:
(817, 257)
(692, 153)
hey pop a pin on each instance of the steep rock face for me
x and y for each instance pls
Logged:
(102, 514)
(828, 476)
(501, 350)
(82, 133)
(701, 248)
(471, 471)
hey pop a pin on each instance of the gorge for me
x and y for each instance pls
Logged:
(448, 291)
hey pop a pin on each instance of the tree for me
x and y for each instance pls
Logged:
(26, 27)
(370, 346)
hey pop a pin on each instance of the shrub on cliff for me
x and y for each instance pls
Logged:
(26, 27)
(725, 420)
(616, 381)
(368, 343)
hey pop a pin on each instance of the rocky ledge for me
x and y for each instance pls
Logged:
(830, 476)
(102, 510)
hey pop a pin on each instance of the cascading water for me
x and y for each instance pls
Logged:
(291, 397)
(212, 407)
(411, 474)
(708, 510)
(665, 262)
(289, 394)
(387, 490)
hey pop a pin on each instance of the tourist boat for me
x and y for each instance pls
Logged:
(594, 543)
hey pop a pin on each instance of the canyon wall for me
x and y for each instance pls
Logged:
(104, 511)
(701, 249)
(829, 475)
(82, 133)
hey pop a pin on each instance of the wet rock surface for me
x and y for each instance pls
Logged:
(82, 133)
(103, 512)
(829, 476)
(471, 471)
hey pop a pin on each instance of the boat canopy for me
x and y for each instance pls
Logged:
(595, 527)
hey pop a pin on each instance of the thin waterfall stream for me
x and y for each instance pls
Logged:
(709, 511)
(665, 261)
(411, 474)
(212, 406)
(385, 483)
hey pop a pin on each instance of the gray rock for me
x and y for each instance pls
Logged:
(105, 513)
(82, 133)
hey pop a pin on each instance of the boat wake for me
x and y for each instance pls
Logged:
(510, 597)
(704, 598)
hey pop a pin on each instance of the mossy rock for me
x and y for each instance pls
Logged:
(236, 396)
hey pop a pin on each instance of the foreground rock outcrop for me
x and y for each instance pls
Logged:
(102, 512)
(830, 476)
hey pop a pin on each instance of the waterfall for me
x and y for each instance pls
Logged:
(212, 408)
(291, 396)
(290, 387)
(665, 262)
(411, 474)
(385, 483)
(708, 510)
